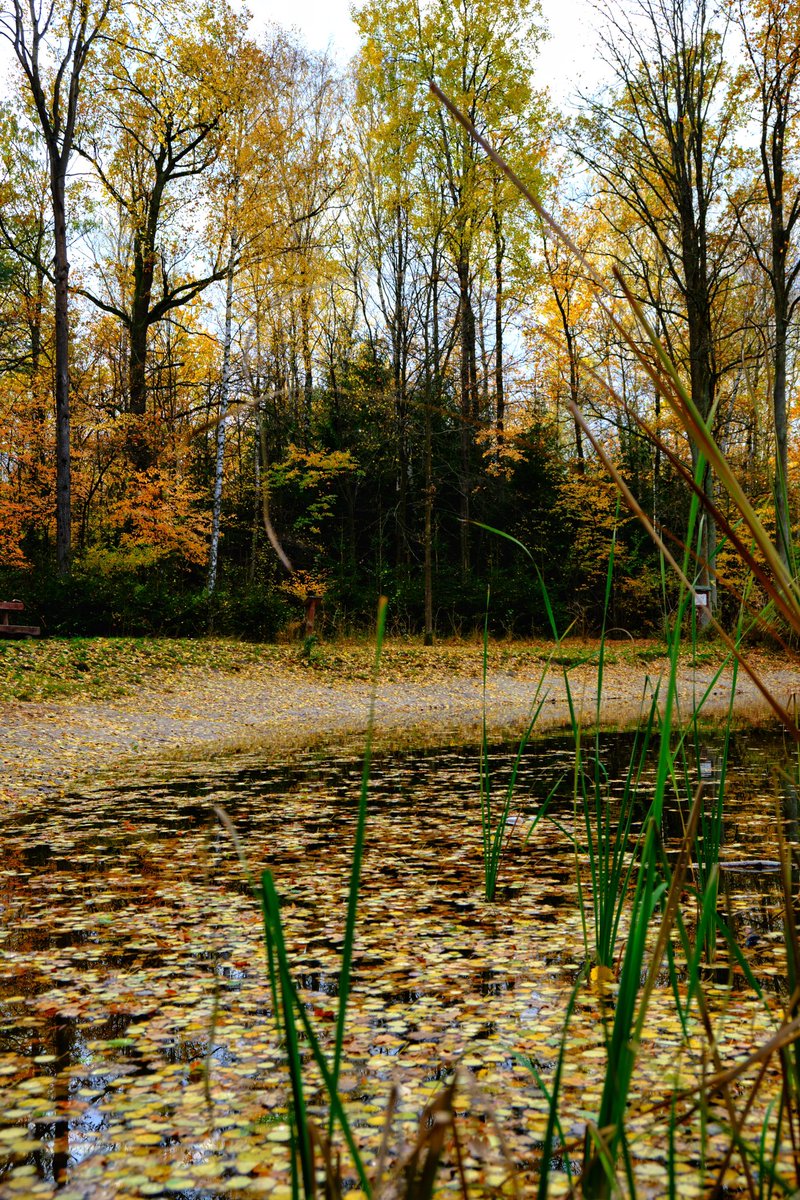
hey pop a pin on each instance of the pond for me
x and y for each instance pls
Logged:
(138, 1052)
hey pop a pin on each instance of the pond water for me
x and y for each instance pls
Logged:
(128, 922)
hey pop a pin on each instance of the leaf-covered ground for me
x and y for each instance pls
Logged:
(127, 918)
(71, 707)
(125, 912)
(103, 668)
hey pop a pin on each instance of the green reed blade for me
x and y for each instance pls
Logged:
(622, 1046)
(552, 1097)
(545, 596)
(358, 854)
(279, 963)
(331, 1091)
(671, 1192)
(495, 842)
(494, 822)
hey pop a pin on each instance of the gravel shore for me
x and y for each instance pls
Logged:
(50, 746)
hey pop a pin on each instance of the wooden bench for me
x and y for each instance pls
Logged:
(10, 628)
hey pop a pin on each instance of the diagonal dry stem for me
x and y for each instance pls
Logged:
(663, 374)
(635, 507)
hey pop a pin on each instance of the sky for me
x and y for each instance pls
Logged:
(567, 61)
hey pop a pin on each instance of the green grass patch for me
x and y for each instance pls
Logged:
(103, 668)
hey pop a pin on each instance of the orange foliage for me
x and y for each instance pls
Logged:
(157, 517)
(13, 516)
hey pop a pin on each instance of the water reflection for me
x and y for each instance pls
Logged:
(124, 909)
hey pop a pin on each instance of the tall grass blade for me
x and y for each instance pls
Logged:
(345, 969)
(622, 1048)
(782, 588)
(553, 1096)
(286, 1001)
(281, 983)
(494, 822)
(337, 1108)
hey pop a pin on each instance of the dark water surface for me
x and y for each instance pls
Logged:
(128, 919)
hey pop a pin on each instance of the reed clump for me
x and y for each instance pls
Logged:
(651, 912)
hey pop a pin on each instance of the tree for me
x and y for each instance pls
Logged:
(660, 145)
(250, 151)
(312, 176)
(480, 52)
(159, 129)
(289, 229)
(771, 31)
(26, 247)
(393, 225)
(52, 43)
(564, 275)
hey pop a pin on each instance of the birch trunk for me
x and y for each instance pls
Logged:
(224, 397)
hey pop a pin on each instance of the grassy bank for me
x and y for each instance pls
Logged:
(102, 668)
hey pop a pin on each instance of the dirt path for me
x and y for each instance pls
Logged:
(197, 714)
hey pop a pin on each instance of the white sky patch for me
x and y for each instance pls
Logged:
(568, 60)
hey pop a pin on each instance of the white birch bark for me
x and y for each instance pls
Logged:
(224, 399)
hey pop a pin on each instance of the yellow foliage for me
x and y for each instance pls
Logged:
(310, 468)
(733, 575)
(500, 457)
(591, 500)
(313, 472)
(304, 585)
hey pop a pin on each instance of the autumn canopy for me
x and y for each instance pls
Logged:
(271, 330)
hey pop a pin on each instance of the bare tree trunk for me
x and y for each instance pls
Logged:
(702, 386)
(468, 404)
(138, 450)
(657, 462)
(783, 521)
(574, 387)
(144, 252)
(308, 378)
(137, 368)
(499, 381)
(55, 95)
(563, 306)
(224, 395)
(257, 505)
(63, 458)
(400, 372)
(433, 398)
(428, 533)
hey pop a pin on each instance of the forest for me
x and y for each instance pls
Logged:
(276, 334)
